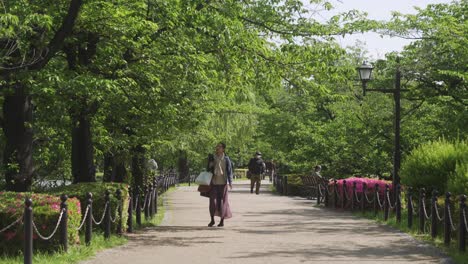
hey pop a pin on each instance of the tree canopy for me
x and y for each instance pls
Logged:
(104, 85)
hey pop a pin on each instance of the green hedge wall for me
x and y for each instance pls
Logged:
(98, 189)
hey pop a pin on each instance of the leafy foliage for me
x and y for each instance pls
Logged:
(437, 165)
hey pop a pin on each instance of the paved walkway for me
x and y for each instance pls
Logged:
(265, 228)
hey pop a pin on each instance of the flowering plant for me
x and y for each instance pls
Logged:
(370, 185)
(46, 211)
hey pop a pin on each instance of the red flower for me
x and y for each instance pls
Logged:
(9, 235)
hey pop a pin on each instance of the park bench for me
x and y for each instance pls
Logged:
(311, 183)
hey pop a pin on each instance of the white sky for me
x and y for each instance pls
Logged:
(381, 10)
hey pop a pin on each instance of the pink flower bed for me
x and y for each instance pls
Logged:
(359, 185)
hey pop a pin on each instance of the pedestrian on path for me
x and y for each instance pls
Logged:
(221, 167)
(317, 170)
(256, 169)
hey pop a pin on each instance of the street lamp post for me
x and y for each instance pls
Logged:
(365, 73)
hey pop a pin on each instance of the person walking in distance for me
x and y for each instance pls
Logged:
(221, 167)
(256, 169)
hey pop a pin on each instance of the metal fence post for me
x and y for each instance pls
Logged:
(130, 211)
(462, 226)
(118, 195)
(326, 201)
(318, 194)
(343, 194)
(353, 196)
(386, 202)
(63, 222)
(155, 195)
(398, 203)
(28, 231)
(363, 196)
(107, 217)
(138, 205)
(145, 203)
(447, 218)
(376, 196)
(422, 197)
(285, 185)
(335, 193)
(150, 201)
(410, 207)
(89, 219)
(433, 214)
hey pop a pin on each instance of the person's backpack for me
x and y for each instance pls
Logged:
(256, 166)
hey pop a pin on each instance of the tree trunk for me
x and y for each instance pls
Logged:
(17, 127)
(183, 166)
(83, 169)
(138, 166)
(114, 169)
(108, 167)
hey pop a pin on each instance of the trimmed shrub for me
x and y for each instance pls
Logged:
(46, 212)
(440, 165)
(98, 190)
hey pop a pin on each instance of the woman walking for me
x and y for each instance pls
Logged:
(221, 167)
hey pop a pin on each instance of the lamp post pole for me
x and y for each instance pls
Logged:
(397, 150)
(365, 72)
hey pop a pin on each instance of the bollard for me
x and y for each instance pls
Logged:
(151, 201)
(343, 194)
(462, 226)
(63, 222)
(326, 202)
(145, 209)
(89, 219)
(434, 214)
(398, 203)
(282, 184)
(285, 185)
(410, 208)
(107, 216)
(28, 231)
(118, 195)
(386, 202)
(363, 196)
(422, 196)
(155, 195)
(447, 217)
(138, 206)
(335, 193)
(376, 194)
(318, 194)
(353, 196)
(130, 211)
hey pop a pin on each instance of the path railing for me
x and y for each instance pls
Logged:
(431, 218)
(111, 214)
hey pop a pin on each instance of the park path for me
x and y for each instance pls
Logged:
(265, 228)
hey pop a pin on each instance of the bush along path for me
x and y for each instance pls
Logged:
(266, 228)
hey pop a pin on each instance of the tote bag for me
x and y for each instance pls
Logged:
(204, 178)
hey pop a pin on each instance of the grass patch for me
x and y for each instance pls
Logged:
(451, 251)
(74, 254)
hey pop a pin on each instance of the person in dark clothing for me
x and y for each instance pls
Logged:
(256, 168)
